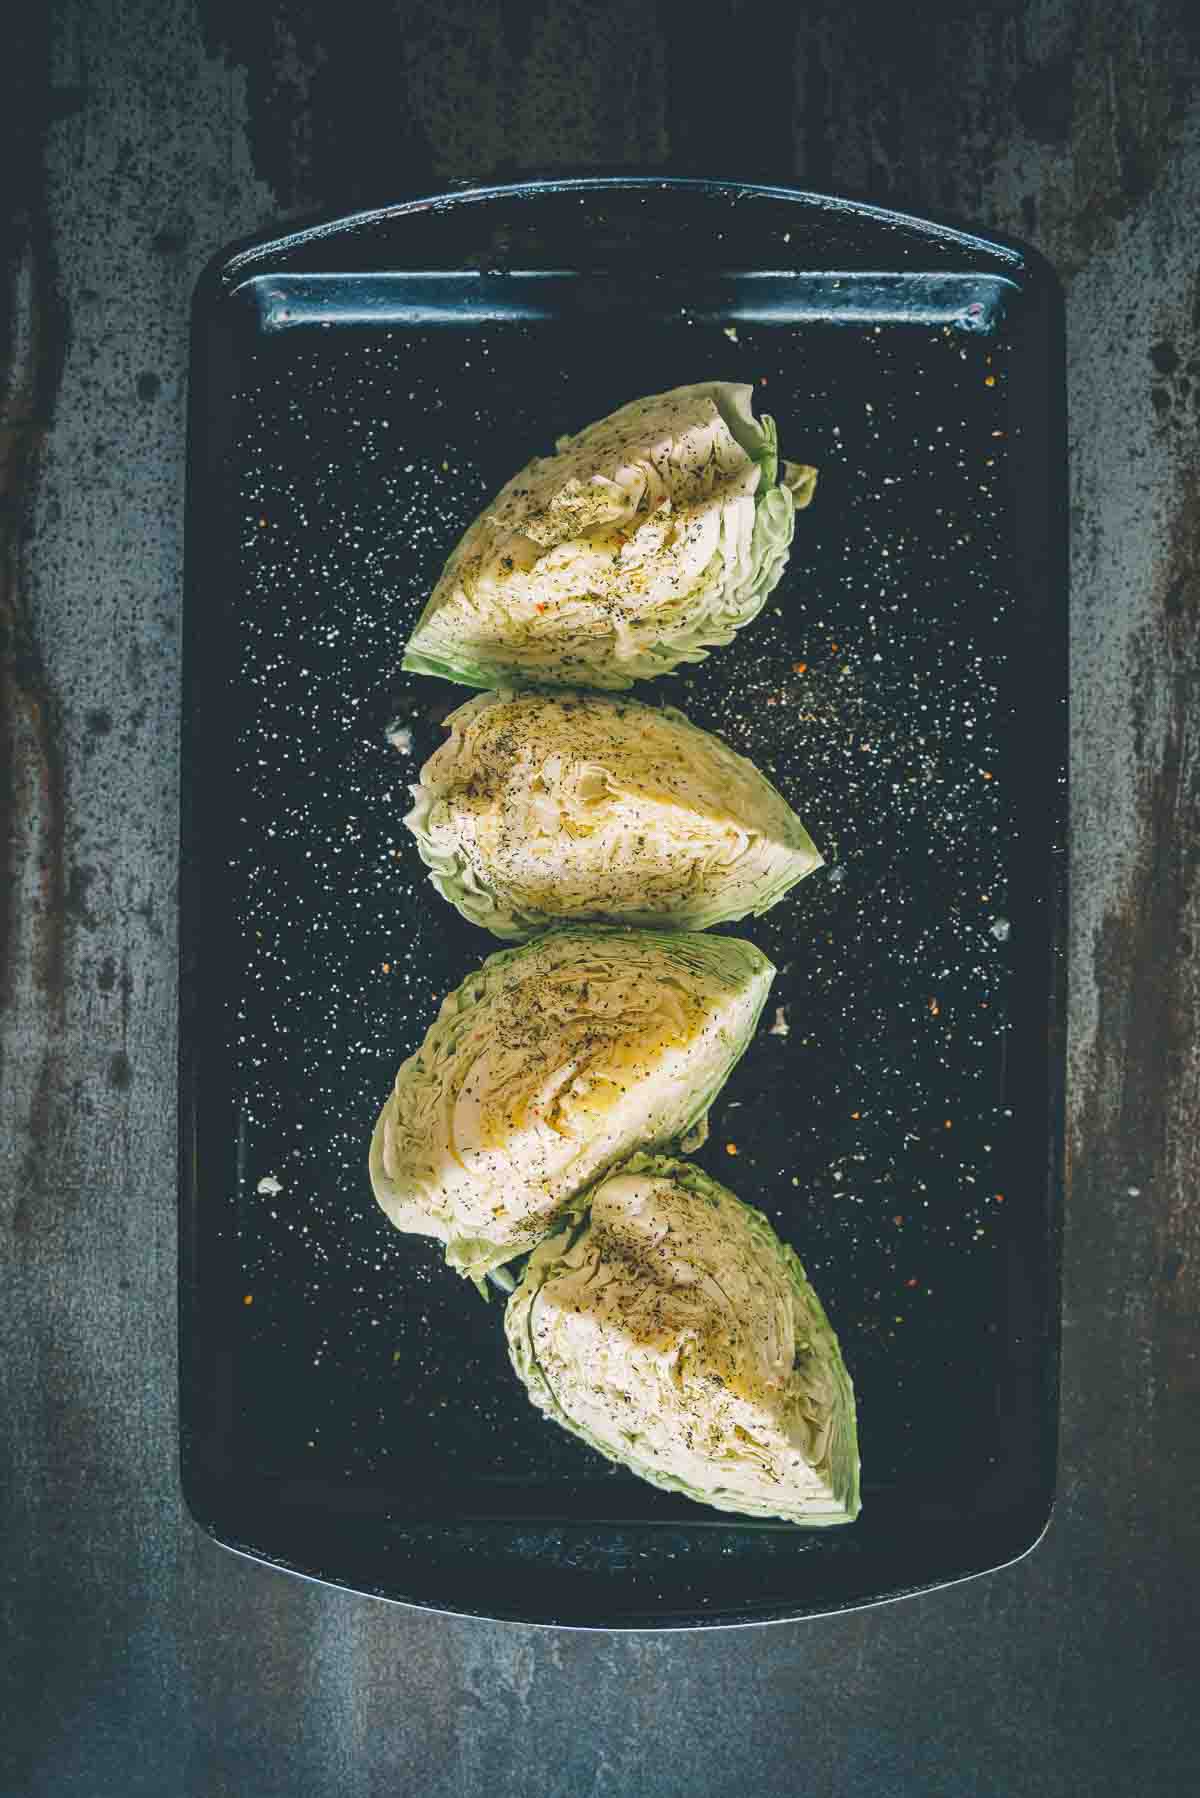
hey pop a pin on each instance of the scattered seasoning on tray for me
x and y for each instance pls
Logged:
(342, 448)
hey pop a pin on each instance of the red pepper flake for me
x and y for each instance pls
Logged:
(249, 1299)
(833, 649)
(910, 1282)
(856, 1114)
(986, 774)
(897, 1220)
(989, 380)
(999, 1198)
(387, 967)
(935, 1008)
(731, 1148)
(799, 667)
(762, 380)
(946, 1124)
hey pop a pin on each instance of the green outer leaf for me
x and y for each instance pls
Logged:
(820, 1333)
(768, 456)
(476, 1256)
(463, 673)
(722, 602)
(458, 882)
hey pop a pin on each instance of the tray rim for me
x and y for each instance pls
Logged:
(243, 254)
(1028, 1541)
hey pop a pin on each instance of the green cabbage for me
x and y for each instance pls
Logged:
(646, 539)
(548, 806)
(546, 1066)
(670, 1328)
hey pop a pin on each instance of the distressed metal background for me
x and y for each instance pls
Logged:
(136, 139)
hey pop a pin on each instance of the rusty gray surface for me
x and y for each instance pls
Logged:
(137, 138)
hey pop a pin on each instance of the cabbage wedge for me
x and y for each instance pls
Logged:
(549, 1064)
(670, 1328)
(542, 807)
(645, 540)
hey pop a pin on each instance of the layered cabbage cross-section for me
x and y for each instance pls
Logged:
(669, 1327)
(549, 1064)
(544, 807)
(645, 540)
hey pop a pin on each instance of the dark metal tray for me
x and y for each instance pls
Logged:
(358, 390)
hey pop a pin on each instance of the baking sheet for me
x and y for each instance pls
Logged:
(347, 1405)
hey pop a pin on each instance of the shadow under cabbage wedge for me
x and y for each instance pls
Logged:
(548, 1065)
(648, 538)
(669, 1327)
(546, 806)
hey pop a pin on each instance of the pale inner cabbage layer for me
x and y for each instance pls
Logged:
(547, 1066)
(543, 806)
(675, 1332)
